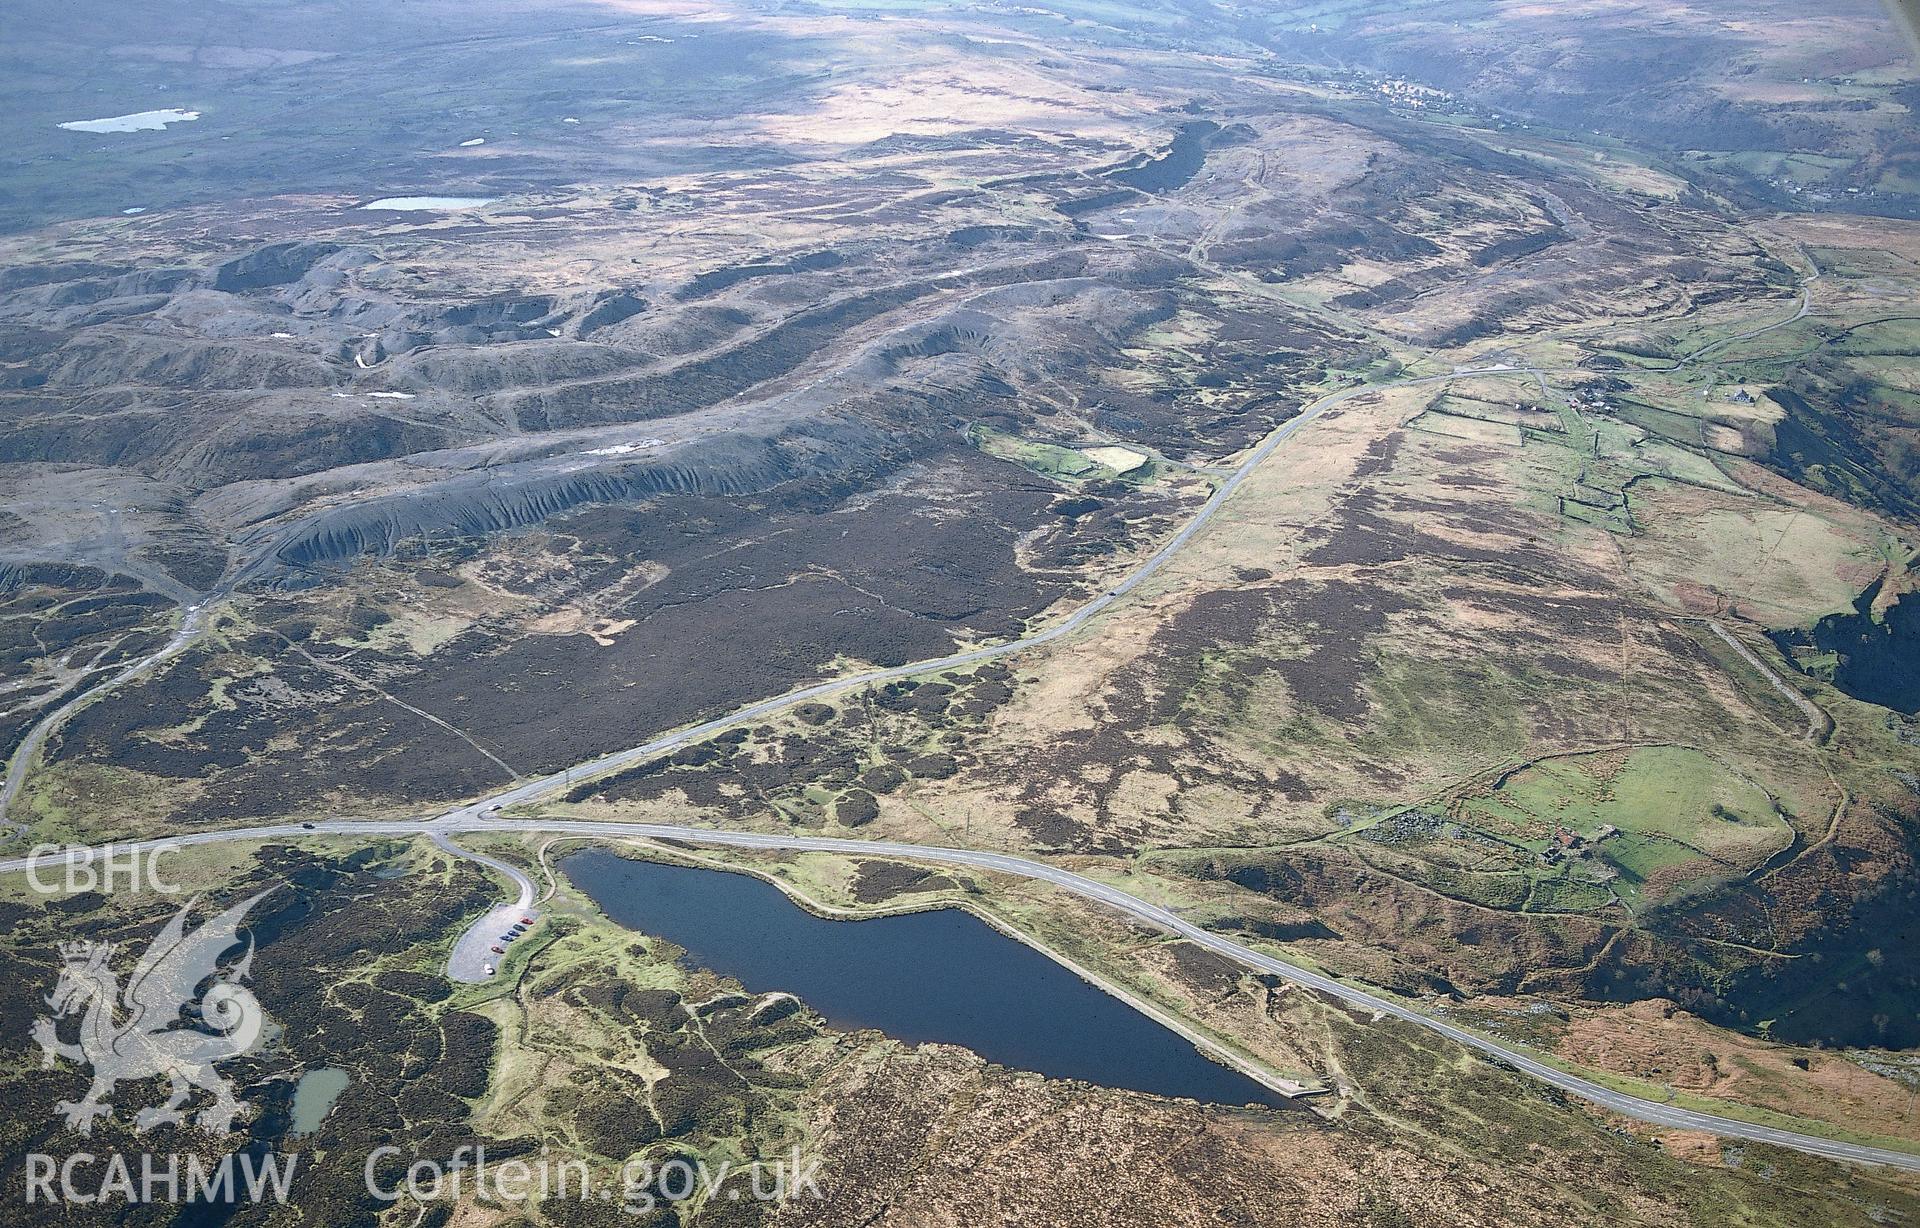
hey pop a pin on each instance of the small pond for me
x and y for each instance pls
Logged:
(314, 1095)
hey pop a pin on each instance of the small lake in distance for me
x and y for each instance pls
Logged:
(428, 204)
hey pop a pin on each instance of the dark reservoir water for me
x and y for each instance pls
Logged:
(932, 976)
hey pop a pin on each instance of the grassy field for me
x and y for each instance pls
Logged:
(1671, 791)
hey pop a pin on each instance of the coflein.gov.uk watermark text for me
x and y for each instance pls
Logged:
(85, 1178)
(641, 1184)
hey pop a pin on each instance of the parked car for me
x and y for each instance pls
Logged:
(498, 950)
(487, 969)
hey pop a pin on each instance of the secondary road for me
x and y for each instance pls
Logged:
(23, 754)
(1713, 347)
(1819, 724)
(542, 788)
(483, 815)
(1664, 1115)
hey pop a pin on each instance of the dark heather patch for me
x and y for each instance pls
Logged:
(1559, 617)
(1380, 455)
(878, 881)
(1363, 535)
(1326, 630)
(1206, 970)
(350, 739)
(760, 593)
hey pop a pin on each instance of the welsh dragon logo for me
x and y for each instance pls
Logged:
(139, 1032)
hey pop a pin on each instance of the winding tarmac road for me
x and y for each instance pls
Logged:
(1665, 1115)
(1713, 347)
(545, 787)
(483, 816)
(540, 787)
(23, 755)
